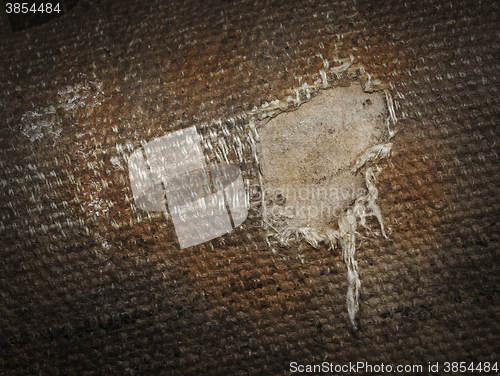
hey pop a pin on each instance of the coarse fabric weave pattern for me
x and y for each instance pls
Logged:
(90, 285)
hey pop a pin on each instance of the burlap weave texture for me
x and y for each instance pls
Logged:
(89, 285)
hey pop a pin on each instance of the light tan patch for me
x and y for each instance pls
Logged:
(307, 156)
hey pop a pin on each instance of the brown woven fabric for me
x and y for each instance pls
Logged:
(89, 285)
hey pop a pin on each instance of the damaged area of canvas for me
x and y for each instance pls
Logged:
(318, 171)
(309, 162)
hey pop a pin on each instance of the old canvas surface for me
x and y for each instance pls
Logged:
(92, 285)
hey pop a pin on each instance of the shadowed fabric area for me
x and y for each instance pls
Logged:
(92, 285)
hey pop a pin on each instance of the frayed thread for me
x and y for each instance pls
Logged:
(345, 237)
